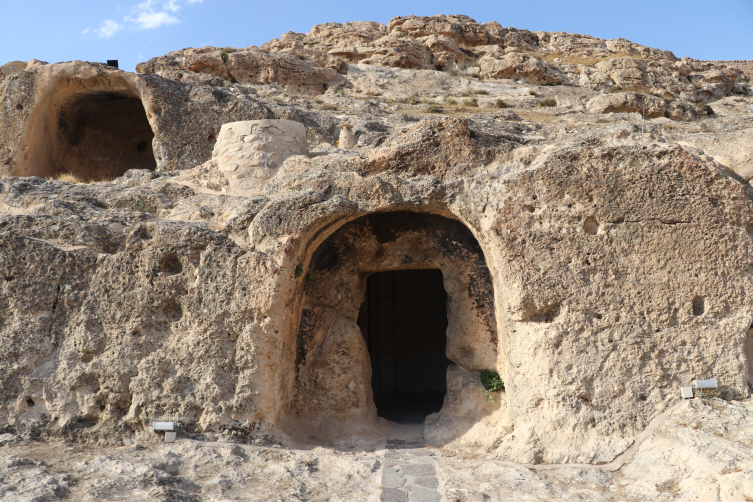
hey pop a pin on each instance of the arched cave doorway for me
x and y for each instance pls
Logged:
(429, 261)
(403, 320)
(96, 135)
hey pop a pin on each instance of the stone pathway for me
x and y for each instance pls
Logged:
(409, 472)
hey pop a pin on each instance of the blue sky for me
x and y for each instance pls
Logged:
(136, 31)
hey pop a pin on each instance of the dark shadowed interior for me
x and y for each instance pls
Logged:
(101, 135)
(404, 321)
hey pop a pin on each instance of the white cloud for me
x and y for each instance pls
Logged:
(144, 6)
(85, 31)
(151, 14)
(108, 28)
(172, 5)
(148, 20)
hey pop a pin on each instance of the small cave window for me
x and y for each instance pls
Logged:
(403, 319)
(87, 136)
(101, 135)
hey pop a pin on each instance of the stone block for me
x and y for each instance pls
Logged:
(241, 151)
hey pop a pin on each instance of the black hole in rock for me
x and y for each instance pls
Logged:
(699, 306)
(404, 321)
(29, 401)
(170, 264)
(591, 226)
(9, 278)
(172, 310)
(19, 106)
(598, 316)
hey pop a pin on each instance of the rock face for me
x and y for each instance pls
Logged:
(249, 67)
(215, 279)
(520, 66)
(173, 123)
(628, 102)
(595, 257)
(11, 68)
(250, 153)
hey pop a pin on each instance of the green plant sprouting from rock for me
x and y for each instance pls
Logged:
(492, 382)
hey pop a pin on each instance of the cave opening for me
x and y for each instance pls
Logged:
(101, 135)
(396, 315)
(403, 320)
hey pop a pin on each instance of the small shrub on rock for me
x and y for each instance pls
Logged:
(68, 178)
(492, 381)
(546, 102)
(500, 104)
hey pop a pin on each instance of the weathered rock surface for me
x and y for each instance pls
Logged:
(12, 68)
(517, 65)
(628, 102)
(460, 44)
(595, 250)
(184, 117)
(251, 152)
(699, 451)
(248, 67)
(210, 275)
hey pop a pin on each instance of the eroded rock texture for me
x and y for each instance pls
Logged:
(594, 245)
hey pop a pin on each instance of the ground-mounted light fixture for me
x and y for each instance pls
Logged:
(169, 428)
(699, 388)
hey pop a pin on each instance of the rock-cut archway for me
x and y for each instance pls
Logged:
(94, 129)
(333, 381)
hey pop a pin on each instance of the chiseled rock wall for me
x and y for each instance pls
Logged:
(619, 274)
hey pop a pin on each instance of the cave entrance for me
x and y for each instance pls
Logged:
(403, 320)
(94, 135)
(387, 301)
(101, 135)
